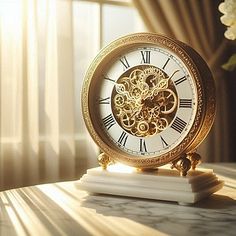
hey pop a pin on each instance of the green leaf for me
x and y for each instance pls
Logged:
(230, 65)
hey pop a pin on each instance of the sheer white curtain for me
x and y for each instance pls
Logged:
(41, 133)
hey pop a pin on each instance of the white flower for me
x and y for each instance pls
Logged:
(228, 8)
(230, 33)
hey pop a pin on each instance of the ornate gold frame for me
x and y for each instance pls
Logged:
(206, 101)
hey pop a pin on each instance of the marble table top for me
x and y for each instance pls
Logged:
(62, 209)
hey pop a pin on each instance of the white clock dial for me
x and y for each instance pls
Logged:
(147, 101)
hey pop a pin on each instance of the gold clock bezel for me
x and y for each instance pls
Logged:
(201, 75)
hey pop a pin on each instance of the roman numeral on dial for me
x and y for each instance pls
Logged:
(145, 57)
(185, 103)
(142, 146)
(125, 63)
(164, 143)
(104, 101)
(123, 139)
(108, 121)
(109, 79)
(178, 125)
(181, 80)
(166, 63)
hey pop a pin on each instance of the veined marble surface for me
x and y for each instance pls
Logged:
(62, 209)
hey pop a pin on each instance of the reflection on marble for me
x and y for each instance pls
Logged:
(62, 209)
(215, 215)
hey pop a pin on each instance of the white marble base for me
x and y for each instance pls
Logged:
(163, 184)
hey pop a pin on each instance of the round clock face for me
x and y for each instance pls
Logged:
(141, 102)
(146, 101)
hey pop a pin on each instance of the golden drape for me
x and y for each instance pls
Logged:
(197, 23)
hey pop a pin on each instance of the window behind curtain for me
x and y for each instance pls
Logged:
(45, 50)
(96, 24)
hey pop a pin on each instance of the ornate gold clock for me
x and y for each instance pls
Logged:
(148, 100)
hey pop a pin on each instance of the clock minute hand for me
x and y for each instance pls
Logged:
(163, 84)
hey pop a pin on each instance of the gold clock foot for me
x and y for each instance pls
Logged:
(182, 164)
(195, 159)
(104, 160)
